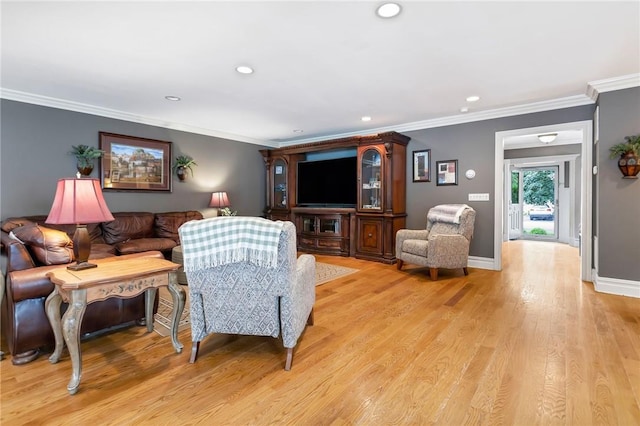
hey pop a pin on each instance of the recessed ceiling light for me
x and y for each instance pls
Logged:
(464, 109)
(172, 98)
(244, 69)
(388, 10)
(473, 98)
(366, 118)
(298, 131)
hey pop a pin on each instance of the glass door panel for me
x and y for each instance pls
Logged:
(309, 225)
(279, 184)
(371, 185)
(330, 226)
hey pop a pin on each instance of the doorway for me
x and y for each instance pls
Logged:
(534, 203)
(582, 130)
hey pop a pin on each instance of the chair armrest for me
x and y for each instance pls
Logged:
(448, 251)
(306, 269)
(409, 234)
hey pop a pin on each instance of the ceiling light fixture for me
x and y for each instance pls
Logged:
(366, 118)
(172, 98)
(464, 109)
(298, 131)
(547, 138)
(473, 98)
(388, 10)
(244, 69)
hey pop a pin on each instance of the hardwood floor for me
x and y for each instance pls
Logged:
(529, 345)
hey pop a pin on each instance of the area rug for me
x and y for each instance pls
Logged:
(162, 324)
(326, 272)
(162, 319)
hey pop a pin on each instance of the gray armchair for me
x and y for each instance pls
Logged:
(445, 242)
(234, 296)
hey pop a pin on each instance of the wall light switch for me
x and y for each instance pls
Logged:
(478, 197)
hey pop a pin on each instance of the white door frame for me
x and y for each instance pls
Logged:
(586, 127)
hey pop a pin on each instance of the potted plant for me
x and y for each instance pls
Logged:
(182, 164)
(628, 152)
(85, 157)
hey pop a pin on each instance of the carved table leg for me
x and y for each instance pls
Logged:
(178, 295)
(52, 307)
(149, 300)
(71, 321)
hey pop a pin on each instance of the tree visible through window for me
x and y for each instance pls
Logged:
(538, 187)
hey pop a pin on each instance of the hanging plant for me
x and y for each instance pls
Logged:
(628, 151)
(85, 157)
(182, 164)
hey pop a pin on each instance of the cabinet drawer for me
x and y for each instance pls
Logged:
(307, 242)
(327, 243)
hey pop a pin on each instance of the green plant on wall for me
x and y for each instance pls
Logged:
(631, 144)
(183, 163)
(85, 155)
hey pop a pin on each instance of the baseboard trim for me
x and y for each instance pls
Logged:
(481, 263)
(616, 286)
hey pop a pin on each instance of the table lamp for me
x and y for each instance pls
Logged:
(79, 202)
(219, 200)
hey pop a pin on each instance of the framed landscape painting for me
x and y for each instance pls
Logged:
(421, 169)
(134, 164)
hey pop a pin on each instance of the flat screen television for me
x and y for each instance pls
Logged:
(328, 183)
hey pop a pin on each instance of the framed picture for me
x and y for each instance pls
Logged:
(421, 169)
(134, 164)
(447, 172)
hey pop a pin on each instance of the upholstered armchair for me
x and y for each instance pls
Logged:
(244, 278)
(445, 242)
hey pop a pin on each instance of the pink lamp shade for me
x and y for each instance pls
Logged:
(79, 201)
(219, 200)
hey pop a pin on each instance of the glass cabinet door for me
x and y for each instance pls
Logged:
(329, 225)
(371, 185)
(279, 184)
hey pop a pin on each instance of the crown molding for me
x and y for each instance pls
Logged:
(567, 102)
(594, 88)
(30, 98)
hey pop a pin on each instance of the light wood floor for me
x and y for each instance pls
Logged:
(529, 345)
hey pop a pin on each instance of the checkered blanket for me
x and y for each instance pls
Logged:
(448, 213)
(222, 240)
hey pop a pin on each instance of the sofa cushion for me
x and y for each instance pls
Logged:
(167, 224)
(100, 251)
(128, 226)
(49, 246)
(10, 224)
(145, 244)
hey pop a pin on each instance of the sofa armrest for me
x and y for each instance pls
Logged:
(18, 257)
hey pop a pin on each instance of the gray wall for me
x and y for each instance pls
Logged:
(618, 199)
(473, 145)
(34, 147)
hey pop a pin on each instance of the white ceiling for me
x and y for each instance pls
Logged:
(319, 65)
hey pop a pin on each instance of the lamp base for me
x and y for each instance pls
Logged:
(81, 265)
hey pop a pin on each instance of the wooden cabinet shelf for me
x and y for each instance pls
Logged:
(327, 231)
(366, 231)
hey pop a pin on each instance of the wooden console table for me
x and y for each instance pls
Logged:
(123, 279)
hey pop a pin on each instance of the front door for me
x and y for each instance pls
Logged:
(539, 195)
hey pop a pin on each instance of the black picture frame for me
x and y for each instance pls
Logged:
(447, 172)
(136, 164)
(422, 165)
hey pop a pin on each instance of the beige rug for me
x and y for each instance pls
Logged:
(162, 324)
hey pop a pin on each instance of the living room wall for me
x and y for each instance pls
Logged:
(618, 199)
(35, 142)
(473, 145)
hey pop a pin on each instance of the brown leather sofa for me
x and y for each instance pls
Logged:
(36, 248)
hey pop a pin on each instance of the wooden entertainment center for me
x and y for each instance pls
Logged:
(366, 231)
